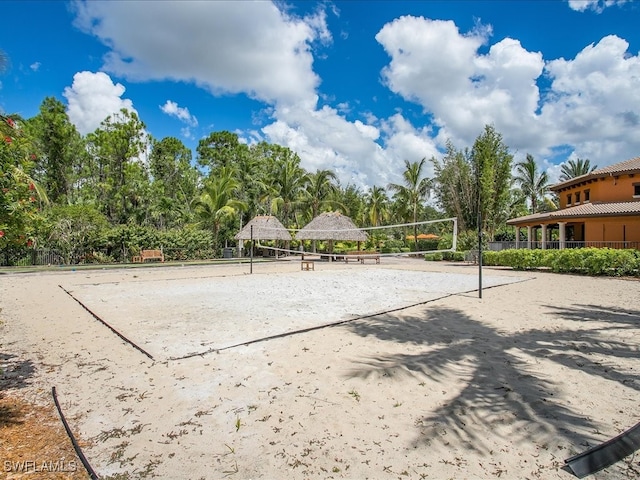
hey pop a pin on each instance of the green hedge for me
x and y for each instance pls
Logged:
(588, 261)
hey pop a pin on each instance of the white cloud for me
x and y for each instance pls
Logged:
(461, 80)
(405, 142)
(35, 66)
(92, 98)
(240, 47)
(594, 101)
(181, 113)
(435, 65)
(225, 47)
(595, 5)
(591, 107)
(324, 139)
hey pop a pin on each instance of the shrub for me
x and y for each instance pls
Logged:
(589, 261)
(458, 256)
(437, 256)
(490, 258)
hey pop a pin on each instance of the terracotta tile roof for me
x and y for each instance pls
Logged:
(593, 209)
(632, 165)
(628, 165)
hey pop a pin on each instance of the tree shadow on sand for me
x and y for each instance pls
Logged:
(500, 383)
(14, 374)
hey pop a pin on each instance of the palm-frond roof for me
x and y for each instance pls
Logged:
(265, 227)
(332, 226)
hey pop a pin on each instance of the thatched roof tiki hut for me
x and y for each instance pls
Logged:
(264, 227)
(332, 226)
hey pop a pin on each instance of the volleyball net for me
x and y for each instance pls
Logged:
(406, 239)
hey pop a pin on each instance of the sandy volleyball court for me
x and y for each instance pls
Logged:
(452, 386)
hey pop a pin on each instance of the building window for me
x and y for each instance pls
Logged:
(587, 196)
(568, 200)
(577, 197)
(636, 189)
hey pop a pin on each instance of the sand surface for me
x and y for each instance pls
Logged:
(423, 379)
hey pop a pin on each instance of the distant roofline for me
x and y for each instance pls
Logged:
(628, 166)
(586, 210)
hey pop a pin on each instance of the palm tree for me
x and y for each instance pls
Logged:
(288, 184)
(377, 206)
(320, 191)
(217, 203)
(415, 191)
(534, 185)
(576, 168)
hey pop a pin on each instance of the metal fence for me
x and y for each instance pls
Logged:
(555, 245)
(22, 257)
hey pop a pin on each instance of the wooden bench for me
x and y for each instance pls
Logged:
(361, 256)
(148, 255)
(307, 265)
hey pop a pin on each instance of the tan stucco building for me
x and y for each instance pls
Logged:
(600, 209)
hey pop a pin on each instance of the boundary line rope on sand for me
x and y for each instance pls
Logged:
(107, 325)
(325, 325)
(76, 447)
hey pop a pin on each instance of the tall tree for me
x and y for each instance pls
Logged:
(491, 167)
(251, 171)
(21, 198)
(534, 184)
(576, 168)
(175, 182)
(288, 181)
(319, 192)
(218, 203)
(119, 142)
(415, 191)
(59, 145)
(456, 192)
(377, 206)
(350, 201)
(220, 150)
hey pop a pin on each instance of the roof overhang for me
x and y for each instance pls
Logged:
(586, 210)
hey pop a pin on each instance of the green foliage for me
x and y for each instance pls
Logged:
(576, 168)
(491, 258)
(59, 147)
(588, 261)
(218, 205)
(175, 183)
(491, 167)
(187, 244)
(220, 150)
(393, 246)
(533, 184)
(74, 230)
(425, 245)
(456, 192)
(433, 257)
(412, 193)
(21, 198)
(125, 241)
(119, 177)
(453, 256)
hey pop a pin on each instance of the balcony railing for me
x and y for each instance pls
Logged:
(555, 245)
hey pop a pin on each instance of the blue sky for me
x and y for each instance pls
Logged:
(355, 86)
